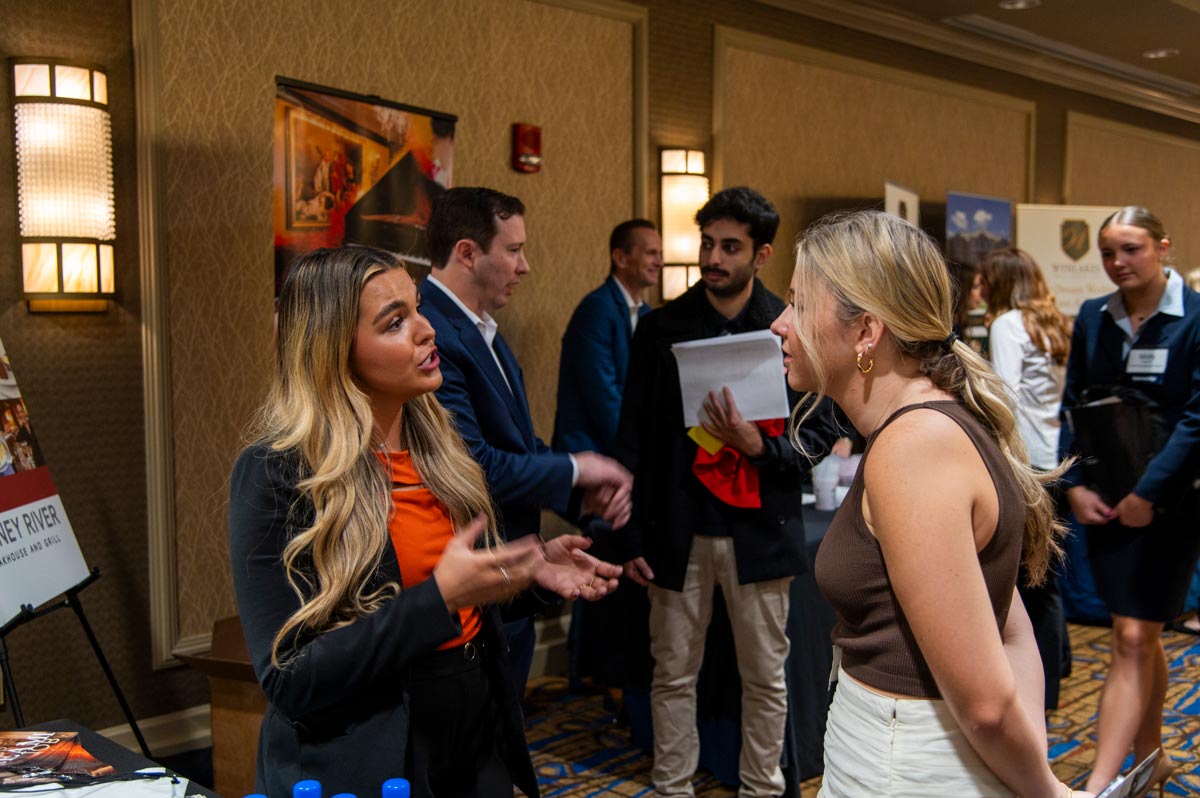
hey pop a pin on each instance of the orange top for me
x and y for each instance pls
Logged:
(420, 528)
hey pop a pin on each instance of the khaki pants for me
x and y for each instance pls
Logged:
(678, 622)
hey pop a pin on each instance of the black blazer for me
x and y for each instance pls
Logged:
(338, 711)
(1096, 359)
(652, 442)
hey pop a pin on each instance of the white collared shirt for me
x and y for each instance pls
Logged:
(485, 324)
(634, 305)
(1171, 303)
(1035, 382)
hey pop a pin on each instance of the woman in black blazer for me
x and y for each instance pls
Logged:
(365, 559)
(1142, 546)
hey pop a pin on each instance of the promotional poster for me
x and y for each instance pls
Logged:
(355, 169)
(39, 557)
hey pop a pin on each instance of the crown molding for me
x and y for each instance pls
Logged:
(935, 38)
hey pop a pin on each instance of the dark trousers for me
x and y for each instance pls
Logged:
(1045, 608)
(522, 637)
(454, 748)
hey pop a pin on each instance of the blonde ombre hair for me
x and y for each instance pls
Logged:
(316, 412)
(872, 262)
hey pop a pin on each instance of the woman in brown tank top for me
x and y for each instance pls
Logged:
(945, 694)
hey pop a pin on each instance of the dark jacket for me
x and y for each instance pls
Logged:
(338, 711)
(1096, 359)
(591, 371)
(652, 442)
(522, 473)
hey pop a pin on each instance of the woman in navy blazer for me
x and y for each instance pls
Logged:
(365, 556)
(1142, 546)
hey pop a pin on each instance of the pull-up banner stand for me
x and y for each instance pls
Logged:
(40, 559)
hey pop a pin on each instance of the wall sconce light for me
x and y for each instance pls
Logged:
(683, 190)
(67, 222)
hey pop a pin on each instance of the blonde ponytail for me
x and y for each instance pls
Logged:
(872, 262)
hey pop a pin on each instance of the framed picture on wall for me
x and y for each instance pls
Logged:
(323, 169)
(351, 168)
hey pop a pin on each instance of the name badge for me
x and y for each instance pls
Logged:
(1146, 361)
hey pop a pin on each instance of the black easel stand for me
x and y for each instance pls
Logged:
(70, 599)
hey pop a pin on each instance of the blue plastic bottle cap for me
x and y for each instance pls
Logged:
(306, 789)
(345, 795)
(256, 795)
(396, 788)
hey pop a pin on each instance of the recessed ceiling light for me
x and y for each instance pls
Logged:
(1163, 52)
(1018, 5)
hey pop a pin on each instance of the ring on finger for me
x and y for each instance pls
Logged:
(504, 575)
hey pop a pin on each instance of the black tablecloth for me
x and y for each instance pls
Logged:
(112, 753)
(810, 628)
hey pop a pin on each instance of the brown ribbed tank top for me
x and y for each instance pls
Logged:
(878, 645)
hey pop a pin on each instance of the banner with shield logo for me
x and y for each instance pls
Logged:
(1062, 239)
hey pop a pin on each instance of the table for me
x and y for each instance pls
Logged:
(112, 753)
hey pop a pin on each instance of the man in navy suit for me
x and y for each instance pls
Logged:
(595, 347)
(477, 249)
(591, 378)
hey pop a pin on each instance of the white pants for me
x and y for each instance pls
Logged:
(899, 748)
(678, 623)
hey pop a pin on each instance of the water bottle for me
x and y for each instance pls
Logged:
(306, 789)
(825, 480)
(396, 788)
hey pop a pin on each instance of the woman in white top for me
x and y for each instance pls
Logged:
(1028, 342)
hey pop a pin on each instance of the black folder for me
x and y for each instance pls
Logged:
(1118, 431)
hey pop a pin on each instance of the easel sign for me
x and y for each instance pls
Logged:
(39, 556)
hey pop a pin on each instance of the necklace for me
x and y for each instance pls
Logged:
(387, 457)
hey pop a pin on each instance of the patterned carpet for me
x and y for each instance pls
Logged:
(581, 752)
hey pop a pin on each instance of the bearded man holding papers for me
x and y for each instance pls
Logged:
(716, 505)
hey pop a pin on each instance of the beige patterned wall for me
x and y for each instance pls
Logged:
(815, 136)
(1113, 164)
(490, 62)
(81, 377)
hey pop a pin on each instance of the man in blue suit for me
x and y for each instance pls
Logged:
(595, 347)
(477, 249)
(591, 378)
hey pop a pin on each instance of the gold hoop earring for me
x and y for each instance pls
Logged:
(870, 362)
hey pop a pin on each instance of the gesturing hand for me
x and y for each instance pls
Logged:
(608, 488)
(725, 422)
(613, 504)
(571, 572)
(470, 577)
